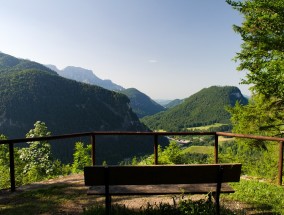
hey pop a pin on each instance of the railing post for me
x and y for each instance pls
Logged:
(12, 167)
(93, 152)
(216, 148)
(280, 163)
(156, 148)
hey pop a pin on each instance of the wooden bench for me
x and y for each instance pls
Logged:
(161, 179)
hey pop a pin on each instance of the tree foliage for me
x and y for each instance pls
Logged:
(260, 117)
(37, 158)
(32, 163)
(255, 162)
(262, 53)
(262, 57)
(82, 157)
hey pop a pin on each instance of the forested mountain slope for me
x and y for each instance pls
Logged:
(142, 104)
(30, 92)
(203, 108)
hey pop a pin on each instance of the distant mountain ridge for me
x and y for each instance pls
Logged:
(85, 76)
(142, 104)
(203, 108)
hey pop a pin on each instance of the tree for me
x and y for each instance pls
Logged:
(82, 157)
(4, 164)
(260, 117)
(262, 57)
(37, 158)
(262, 53)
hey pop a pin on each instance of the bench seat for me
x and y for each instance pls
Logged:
(160, 180)
(162, 189)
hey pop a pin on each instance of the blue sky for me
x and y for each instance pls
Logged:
(165, 48)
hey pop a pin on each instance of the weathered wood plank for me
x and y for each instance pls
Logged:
(162, 189)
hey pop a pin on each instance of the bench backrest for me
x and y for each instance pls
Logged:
(161, 174)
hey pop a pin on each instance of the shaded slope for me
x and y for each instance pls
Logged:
(203, 108)
(142, 104)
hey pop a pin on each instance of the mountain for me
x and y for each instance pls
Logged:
(203, 108)
(31, 92)
(162, 102)
(11, 64)
(174, 103)
(85, 76)
(142, 104)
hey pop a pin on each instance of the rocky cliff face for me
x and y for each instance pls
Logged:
(85, 76)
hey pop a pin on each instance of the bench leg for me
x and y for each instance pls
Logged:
(108, 204)
(218, 189)
(216, 197)
(217, 203)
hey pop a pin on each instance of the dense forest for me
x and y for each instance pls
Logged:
(206, 107)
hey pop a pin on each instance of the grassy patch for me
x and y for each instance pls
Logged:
(207, 127)
(262, 196)
(199, 150)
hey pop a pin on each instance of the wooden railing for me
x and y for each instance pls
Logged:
(93, 136)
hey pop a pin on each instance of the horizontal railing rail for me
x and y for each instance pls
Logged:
(93, 135)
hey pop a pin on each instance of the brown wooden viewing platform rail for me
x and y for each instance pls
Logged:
(93, 135)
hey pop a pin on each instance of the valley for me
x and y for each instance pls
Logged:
(32, 92)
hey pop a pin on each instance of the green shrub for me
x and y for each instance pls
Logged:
(82, 157)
